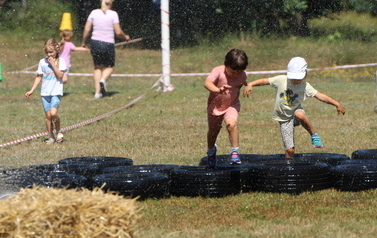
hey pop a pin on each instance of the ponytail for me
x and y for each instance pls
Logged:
(105, 4)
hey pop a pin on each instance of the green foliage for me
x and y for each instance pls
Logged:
(345, 26)
(293, 7)
(369, 6)
(40, 19)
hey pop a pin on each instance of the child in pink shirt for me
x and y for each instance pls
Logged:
(224, 84)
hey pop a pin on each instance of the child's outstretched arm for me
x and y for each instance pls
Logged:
(249, 88)
(80, 49)
(326, 99)
(37, 80)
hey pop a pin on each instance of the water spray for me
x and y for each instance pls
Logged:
(1, 72)
(375, 94)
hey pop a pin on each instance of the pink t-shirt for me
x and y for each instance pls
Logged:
(66, 53)
(103, 24)
(219, 103)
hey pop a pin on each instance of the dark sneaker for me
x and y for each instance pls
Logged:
(316, 141)
(235, 158)
(212, 159)
(102, 84)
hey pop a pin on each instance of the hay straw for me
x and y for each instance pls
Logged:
(50, 212)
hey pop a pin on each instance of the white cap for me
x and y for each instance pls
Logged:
(296, 68)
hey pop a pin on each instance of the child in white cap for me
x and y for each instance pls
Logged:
(291, 91)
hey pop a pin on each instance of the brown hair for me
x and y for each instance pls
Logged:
(236, 59)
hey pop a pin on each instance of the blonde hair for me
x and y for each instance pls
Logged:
(106, 4)
(52, 44)
(65, 36)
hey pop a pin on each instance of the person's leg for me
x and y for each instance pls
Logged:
(106, 73)
(49, 124)
(287, 136)
(214, 127)
(97, 75)
(55, 119)
(230, 118)
(303, 119)
(232, 127)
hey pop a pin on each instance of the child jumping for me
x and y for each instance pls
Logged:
(51, 72)
(67, 47)
(224, 84)
(291, 91)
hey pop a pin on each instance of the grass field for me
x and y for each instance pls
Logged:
(171, 128)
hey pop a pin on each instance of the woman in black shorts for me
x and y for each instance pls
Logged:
(103, 23)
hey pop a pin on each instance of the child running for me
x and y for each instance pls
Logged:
(67, 47)
(224, 84)
(291, 91)
(51, 72)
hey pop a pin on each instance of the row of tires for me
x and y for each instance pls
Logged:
(266, 173)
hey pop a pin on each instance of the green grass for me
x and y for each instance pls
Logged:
(171, 128)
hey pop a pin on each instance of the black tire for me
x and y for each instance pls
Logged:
(162, 168)
(360, 161)
(99, 161)
(79, 169)
(354, 177)
(57, 176)
(332, 159)
(62, 180)
(135, 184)
(14, 179)
(290, 176)
(364, 154)
(193, 181)
(225, 159)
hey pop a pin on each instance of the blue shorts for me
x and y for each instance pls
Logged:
(49, 102)
(103, 53)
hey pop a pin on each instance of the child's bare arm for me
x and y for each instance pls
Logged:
(249, 88)
(58, 73)
(80, 49)
(326, 99)
(37, 80)
(210, 86)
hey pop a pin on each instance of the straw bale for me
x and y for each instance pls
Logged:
(52, 212)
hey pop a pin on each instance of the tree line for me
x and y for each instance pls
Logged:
(191, 20)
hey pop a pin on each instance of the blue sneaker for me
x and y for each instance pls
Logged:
(212, 159)
(235, 158)
(316, 141)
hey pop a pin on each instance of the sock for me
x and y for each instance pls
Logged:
(314, 134)
(235, 149)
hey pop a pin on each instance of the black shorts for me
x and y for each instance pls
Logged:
(103, 53)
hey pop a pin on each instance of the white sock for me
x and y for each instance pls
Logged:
(235, 149)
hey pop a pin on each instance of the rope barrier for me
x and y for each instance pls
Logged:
(204, 74)
(128, 105)
(158, 82)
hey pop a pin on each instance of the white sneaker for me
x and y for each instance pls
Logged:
(98, 95)
(102, 84)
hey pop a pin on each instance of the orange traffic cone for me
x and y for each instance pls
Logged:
(66, 23)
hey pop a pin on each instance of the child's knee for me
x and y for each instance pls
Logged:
(231, 124)
(299, 113)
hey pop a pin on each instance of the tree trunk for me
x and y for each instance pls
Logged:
(24, 4)
(298, 25)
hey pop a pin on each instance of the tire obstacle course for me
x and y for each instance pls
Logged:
(258, 173)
